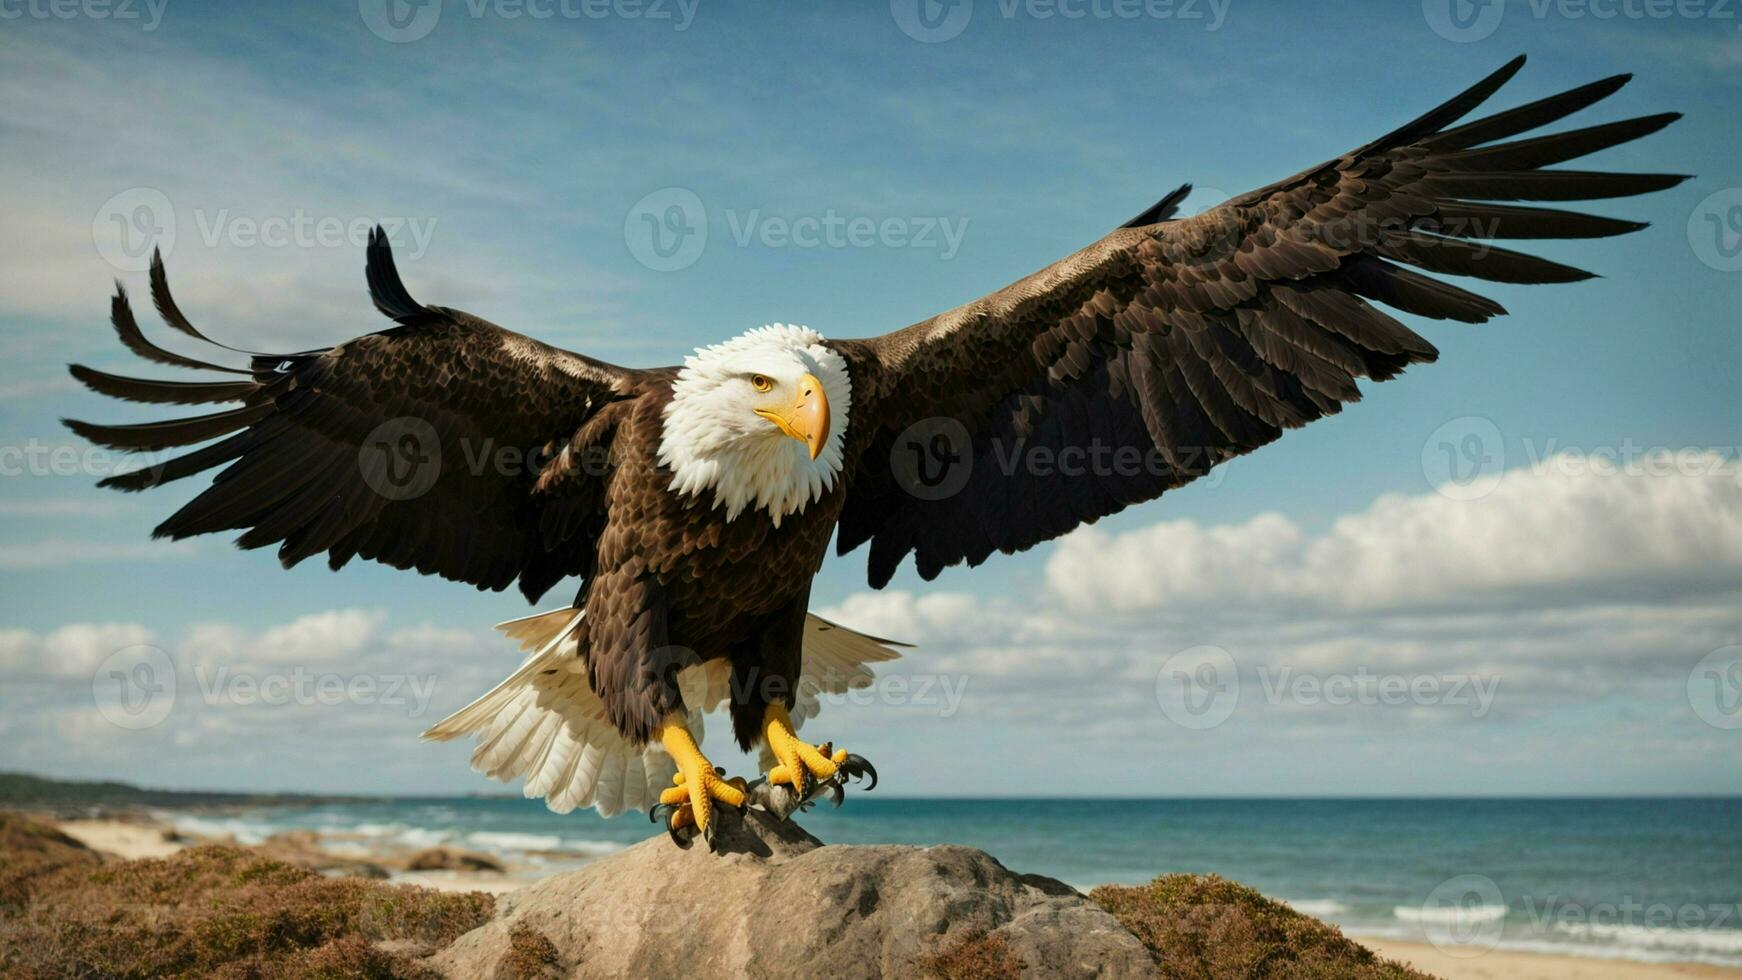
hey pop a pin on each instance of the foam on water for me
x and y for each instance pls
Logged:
(1718, 942)
(1316, 907)
(1450, 915)
(497, 840)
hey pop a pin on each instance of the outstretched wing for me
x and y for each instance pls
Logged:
(418, 446)
(1140, 362)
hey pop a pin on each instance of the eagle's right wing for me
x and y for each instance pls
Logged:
(418, 447)
(1166, 348)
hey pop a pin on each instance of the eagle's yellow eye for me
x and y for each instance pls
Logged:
(760, 382)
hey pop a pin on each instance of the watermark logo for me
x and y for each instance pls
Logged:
(667, 230)
(1463, 916)
(149, 13)
(1199, 687)
(935, 21)
(1474, 692)
(134, 687)
(400, 21)
(130, 225)
(306, 688)
(1203, 199)
(933, 458)
(1464, 458)
(401, 459)
(1715, 688)
(1715, 230)
(931, 21)
(832, 229)
(1463, 21)
(300, 229)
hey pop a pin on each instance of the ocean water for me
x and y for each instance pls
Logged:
(1646, 879)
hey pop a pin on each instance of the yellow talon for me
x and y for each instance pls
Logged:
(801, 764)
(697, 784)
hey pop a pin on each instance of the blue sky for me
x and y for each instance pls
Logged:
(517, 155)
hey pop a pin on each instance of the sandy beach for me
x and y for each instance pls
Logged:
(124, 838)
(1506, 965)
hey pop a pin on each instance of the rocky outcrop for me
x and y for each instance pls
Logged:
(303, 849)
(772, 901)
(451, 859)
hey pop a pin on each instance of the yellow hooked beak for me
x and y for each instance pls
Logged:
(807, 419)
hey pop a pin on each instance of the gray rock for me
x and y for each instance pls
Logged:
(451, 859)
(773, 901)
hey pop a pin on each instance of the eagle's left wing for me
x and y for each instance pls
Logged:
(444, 444)
(1140, 362)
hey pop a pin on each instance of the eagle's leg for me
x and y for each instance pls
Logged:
(804, 766)
(697, 785)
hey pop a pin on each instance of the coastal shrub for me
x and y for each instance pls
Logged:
(975, 956)
(531, 955)
(224, 912)
(29, 851)
(1204, 927)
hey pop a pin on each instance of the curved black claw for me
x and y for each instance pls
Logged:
(835, 792)
(857, 767)
(680, 838)
(669, 812)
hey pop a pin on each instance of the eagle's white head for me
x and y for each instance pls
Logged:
(759, 421)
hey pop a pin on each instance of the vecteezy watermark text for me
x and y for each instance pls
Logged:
(1465, 21)
(667, 230)
(1366, 687)
(148, 13)
(832, 229)
(300, 686)
(133, 224)
(935, 21)
(404, 21)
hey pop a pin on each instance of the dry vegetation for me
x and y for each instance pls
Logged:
(209, 912)
(531, 956)
(976, 956)
(1202, 927)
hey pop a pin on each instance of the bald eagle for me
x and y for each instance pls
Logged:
(695, 502)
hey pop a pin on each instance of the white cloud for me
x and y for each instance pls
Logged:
(1560, 527)
(339, 679)
(62, 508)
(904, 617)
(1568, 588)
(72, 652)
(56, 552)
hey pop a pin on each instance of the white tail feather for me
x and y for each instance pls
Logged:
(544, 724)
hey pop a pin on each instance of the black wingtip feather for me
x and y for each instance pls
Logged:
(127, 329)
(151, 391)
(1531, 115)
(1448, 112)
(1161, 210)
(385, 287)
(169, 433)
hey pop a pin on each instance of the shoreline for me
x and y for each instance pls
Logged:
(137, 836)
(1503, 964)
